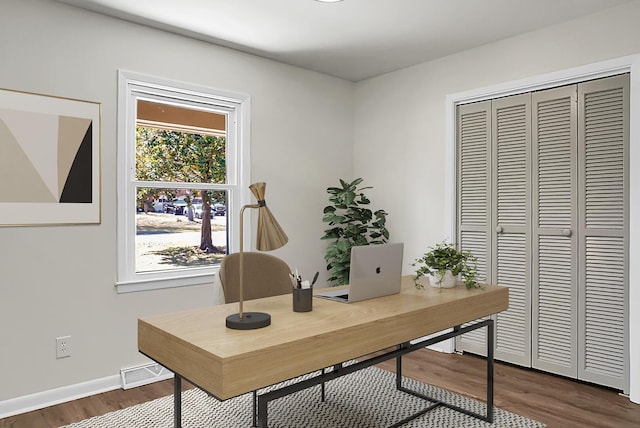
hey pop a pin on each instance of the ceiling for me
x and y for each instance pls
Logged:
(351, 39)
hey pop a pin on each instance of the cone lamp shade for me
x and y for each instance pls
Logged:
(270, 236)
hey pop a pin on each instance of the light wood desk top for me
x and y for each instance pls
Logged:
(197, 345)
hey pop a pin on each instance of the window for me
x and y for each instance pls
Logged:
(181, 155)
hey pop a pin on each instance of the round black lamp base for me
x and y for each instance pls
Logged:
(249, 321)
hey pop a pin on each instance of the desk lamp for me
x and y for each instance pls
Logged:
(270, 237)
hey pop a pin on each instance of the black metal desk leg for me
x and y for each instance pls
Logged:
(490, 349)
(399, 369)
(177, 400)
(254, 409)
(262, 412)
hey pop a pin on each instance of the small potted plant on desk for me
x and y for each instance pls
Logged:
(443, 265)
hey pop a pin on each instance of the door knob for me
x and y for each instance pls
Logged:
(566, 232)
(499, 229)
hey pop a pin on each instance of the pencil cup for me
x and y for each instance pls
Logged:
(302, 299)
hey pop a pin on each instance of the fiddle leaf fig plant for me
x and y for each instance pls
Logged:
(350, 224)
(444, 257)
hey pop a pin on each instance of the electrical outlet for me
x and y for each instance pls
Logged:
(63, 347)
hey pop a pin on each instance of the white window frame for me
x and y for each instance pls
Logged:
(236, 106)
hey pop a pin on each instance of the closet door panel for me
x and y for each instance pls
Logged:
(555, 321)
(603, 358)
(554, 261)
(511, 136)
(512, 327)
(603, 112)
(474, 136)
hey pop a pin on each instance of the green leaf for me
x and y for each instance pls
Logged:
(349, 197)
(355, 182)
(364, 200)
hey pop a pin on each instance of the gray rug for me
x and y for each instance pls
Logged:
(364, 399)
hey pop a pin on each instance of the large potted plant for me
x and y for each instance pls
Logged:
(443, 264)
(351, 224)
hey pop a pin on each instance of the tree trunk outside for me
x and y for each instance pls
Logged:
(206, 239)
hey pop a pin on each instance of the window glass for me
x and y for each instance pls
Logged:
(180, 229)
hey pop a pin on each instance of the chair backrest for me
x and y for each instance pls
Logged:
(264, 276)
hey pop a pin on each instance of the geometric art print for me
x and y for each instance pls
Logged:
(49, 160)
(44, 157)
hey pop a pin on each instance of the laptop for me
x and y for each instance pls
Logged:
(375, 271)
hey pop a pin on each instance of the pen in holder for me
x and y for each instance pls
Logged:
(302, 299)
(302, 292)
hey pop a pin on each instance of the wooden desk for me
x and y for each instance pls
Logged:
(196, 345)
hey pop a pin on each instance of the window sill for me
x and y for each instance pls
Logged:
(162, 283)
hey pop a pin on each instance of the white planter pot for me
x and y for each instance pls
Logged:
(448, 280)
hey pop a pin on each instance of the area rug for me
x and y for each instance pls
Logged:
(364, 399)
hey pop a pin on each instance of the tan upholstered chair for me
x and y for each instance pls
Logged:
(264, 276)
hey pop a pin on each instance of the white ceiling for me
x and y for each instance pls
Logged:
(352, 39)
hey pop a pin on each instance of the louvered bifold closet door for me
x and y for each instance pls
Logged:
(603, 112)
(554, 261)
(473, 145)
(511, 224)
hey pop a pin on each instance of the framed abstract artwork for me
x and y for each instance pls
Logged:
(49, 160)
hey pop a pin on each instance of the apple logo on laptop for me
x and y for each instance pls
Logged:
(378, 270)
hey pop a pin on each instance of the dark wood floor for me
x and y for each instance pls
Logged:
(553, 400)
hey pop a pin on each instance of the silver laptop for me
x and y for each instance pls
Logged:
(375, 271)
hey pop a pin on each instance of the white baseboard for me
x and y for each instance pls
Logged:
(128, 378)
(40, 400)
(447, 346)
(143, 375)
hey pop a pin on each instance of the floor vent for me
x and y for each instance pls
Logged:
(143, 375)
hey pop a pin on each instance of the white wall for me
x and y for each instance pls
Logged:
(59, 280)
(400, 145)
